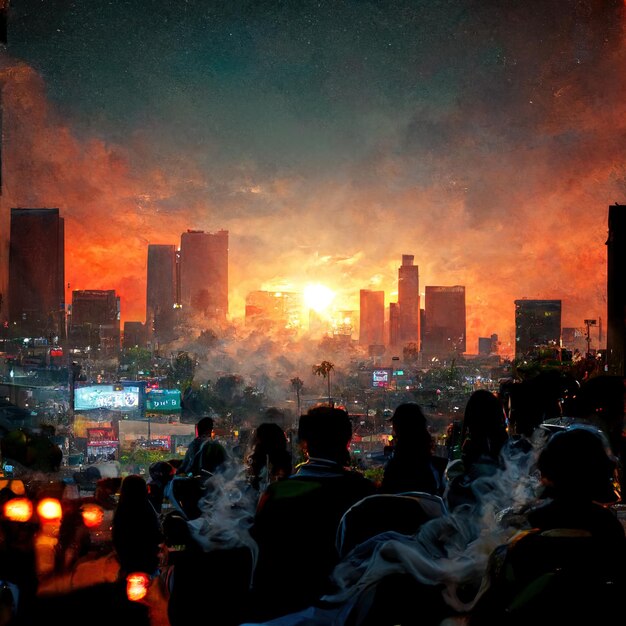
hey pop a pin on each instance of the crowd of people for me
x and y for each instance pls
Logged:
(493, 534)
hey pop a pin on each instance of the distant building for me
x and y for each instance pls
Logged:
(134, 335)
(204, 274)
(274, 310)
(615, 292)
(574, 339)
(37, 274)
(537, 324)
(372, 318)
(394, 323)
(161, 293)
(95, 320)
(444, 332)
(408, 302)
(488, 345)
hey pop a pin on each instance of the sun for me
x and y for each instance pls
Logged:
(318, 297)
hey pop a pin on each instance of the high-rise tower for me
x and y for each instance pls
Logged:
(408, 302)
(161, 292)
(372, 318)
(615, 292)
(204, 273)
(37, 274)
(444, 331)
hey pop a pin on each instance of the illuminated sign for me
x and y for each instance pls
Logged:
(162, 400)
(380, 378)
(111, 397)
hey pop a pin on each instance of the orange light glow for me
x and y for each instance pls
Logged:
(49, 509)
(137, 585)
(318, 297)
(92, 515)
(18, 509)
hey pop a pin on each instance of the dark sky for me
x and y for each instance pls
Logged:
(485, 138)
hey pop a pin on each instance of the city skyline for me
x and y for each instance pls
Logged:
(328, 139)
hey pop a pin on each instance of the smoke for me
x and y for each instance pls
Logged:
(227, 510)
(486, 141)
(451, 551)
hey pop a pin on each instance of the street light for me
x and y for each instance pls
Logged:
(588, 324)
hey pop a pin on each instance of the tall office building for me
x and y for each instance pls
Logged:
(537, 323)
(37, 274)
(444, 332)
(204, 273)
(161, 293)
(408, 302)
(95, 320)
(372, 318)
(615, 292)
(394, 323)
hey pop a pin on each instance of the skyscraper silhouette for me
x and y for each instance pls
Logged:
(444, 332)
(161, 292)
(204, 274)
(616, 292)
(37, 274)
(372, 318)
(408, 302)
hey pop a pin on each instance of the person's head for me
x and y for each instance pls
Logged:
(133, 488)
(204, 427)
(410, 426)
(484, 426)
(270, 436)
(577, 462)
(325, 432)
(161, 471)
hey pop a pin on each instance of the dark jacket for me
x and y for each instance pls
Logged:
(295, 528)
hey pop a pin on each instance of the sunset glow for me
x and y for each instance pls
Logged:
(318, 297)
(399, 141)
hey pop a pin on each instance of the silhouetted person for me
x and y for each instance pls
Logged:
(161, 473)
(483, 435)
(136, 531)
(296, 519)
(567, 565)
(269, 459)
(204, 455)
(413, 466)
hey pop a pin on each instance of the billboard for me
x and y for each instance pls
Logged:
(111, 397)
(381, 377)
(162, 400)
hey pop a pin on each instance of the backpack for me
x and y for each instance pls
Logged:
(208, 458)
(557, 576)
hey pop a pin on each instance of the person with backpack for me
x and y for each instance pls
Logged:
(204, 454)
(565, 564)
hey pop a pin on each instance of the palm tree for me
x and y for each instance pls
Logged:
(297, 385)
(324, 369)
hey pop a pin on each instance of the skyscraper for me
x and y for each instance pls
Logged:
(444, 332)
(204, 273)
(161, 292)
(408, 302)
(537, 323)
(95, 320)
(615, 292)
(37, 273)
(372, 318)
